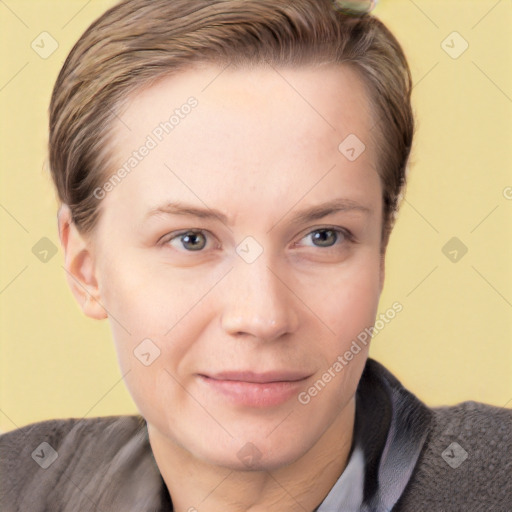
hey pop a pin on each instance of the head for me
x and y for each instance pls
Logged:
(229, 173)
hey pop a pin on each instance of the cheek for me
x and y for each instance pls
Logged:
(159, 312)
(136, 315)
(147, 301)
(348, 303)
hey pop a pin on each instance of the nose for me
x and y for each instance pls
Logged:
(258, 303)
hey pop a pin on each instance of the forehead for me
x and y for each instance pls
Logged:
(248, 128)
(326, 97)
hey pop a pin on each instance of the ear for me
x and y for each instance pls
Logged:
(79, 265)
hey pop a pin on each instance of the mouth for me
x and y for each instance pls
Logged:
(259, 390)
(259, 378)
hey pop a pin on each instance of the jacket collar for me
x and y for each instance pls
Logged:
(392, 425)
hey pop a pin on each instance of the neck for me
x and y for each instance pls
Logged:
(195, 485)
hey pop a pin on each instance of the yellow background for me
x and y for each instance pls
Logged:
(453, 339)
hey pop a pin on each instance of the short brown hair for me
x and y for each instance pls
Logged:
(137, 42)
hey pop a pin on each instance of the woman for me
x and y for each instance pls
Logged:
(229, 172)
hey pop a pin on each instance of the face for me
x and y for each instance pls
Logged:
(239, 256)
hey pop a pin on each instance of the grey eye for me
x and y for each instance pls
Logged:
(193, 241)
(324, 237)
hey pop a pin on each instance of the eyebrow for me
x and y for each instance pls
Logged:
(303, 216)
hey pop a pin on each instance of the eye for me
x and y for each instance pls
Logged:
(190, 240)
(326, 237)
(193, 240)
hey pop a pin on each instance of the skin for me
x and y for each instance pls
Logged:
(260, 147)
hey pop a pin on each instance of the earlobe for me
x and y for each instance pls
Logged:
(79, 266)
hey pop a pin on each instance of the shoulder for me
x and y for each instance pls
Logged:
(56, 430)
(43, 443)
(466, 461)
(51, 462)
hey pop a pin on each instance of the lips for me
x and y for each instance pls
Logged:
(266, 377)
(256, 390)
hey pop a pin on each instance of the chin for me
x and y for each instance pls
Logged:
(260, 454)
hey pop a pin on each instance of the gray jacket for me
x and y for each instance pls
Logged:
(456, 458)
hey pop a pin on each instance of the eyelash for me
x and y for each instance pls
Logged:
(343, 233)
